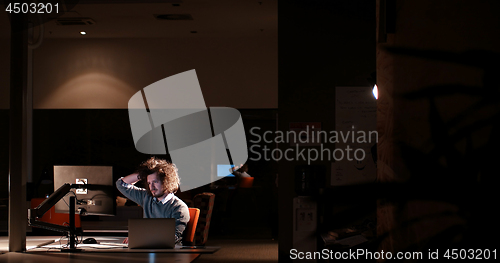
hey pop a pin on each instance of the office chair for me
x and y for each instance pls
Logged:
(194, 214)
(246, 182)
(205, 202)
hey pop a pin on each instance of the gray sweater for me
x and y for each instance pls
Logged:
(170, 207)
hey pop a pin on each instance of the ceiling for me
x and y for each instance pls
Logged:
(136, 19)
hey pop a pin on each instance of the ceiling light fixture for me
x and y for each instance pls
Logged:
(83, 32)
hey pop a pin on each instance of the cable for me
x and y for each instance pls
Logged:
(76, 198)
(97, 195)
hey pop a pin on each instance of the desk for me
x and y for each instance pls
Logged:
(99, 248)
(114, 245)
(45, 252)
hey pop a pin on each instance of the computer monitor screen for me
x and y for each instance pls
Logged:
(223, 170)
(96, 199)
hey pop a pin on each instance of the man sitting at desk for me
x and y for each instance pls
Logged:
(158, 199)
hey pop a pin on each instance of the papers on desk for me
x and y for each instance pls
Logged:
(113, 244)
(83, 246)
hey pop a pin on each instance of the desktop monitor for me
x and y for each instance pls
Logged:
(223, 170)
(95, 199)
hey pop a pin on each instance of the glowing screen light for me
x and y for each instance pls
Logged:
(375, 91)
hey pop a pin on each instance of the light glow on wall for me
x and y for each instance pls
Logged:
(375, 91)
(91, 90)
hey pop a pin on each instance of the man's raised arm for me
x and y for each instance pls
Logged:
(126, 186)
(131, 178)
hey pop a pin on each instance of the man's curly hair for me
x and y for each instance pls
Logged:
(167, 174)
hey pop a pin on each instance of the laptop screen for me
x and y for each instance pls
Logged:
(151, 233)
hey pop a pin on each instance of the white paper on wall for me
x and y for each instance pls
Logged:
(356, 123)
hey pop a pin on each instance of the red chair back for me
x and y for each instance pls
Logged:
(204, 202)
(194, 214)
(246, 182)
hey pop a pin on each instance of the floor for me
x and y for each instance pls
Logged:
(58, 257)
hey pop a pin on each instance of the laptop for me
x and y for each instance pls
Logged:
(151, 233)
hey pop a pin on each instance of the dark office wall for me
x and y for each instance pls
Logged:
(82, 137)
(103, 137)
(322, 44)
(103, 73)
(256, 123)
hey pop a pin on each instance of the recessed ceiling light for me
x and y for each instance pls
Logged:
(83, 33)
